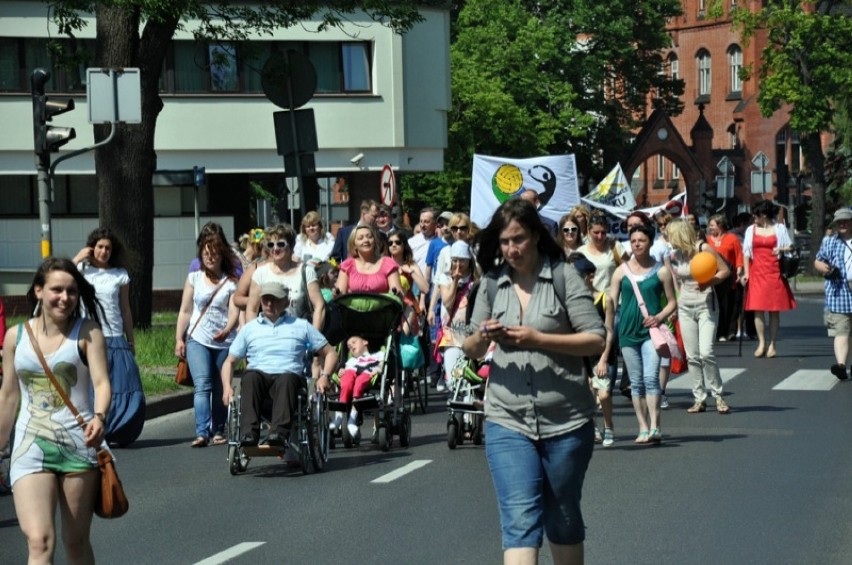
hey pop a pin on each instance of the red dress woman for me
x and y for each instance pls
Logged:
(767, 290)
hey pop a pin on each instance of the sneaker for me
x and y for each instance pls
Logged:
(723, 339)
(839, 371)
(335, 424)
(664, 402)
(598, 436)
(442, 386)
(608, 437)
(353, 423)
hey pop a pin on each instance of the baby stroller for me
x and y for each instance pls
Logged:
(376, 317)
(466, 405)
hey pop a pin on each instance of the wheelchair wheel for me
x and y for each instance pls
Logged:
(476, 434)
(452, 432)
(237, 461)
(405, 429)
(318, 433)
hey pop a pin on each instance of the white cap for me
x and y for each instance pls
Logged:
(460, 250)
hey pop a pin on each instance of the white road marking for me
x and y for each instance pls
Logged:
(684, 381)
(402, 471)
(231, 552)
(808, 379)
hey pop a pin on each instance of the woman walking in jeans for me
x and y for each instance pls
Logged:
(539, 409)
(698, 312)
(637, 349)
(208, 313)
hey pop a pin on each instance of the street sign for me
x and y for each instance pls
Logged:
(306, 131)
(724, 186)
(761, 182)
(288, 79)
(387, 186)
(760, 160)
(725, 166)
(114, 95)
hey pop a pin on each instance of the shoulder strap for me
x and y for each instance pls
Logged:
(51, 376)
(206, 306)
(629, 274)
(615, 256)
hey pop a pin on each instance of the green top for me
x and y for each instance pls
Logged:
(630, 329)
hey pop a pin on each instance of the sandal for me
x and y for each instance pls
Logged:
(199, 442)
(642, 437)
(219, 439)
(655, 436)
(696, 408)
(722, 406)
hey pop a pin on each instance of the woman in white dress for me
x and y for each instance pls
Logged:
(313, 242)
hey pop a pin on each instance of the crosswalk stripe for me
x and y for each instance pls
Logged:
(808, 379)
(684, 382)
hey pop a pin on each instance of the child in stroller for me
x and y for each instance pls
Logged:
(360, 369)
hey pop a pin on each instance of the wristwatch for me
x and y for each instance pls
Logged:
(324, 374)
(101, 416)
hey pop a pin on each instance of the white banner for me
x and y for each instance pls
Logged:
(617, 216)
(497, 179)
(614, 190)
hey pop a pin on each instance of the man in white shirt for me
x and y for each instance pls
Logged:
(420, 243)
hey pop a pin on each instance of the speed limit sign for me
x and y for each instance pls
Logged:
(387, 186)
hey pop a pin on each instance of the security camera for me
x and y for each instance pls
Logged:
(356, 159)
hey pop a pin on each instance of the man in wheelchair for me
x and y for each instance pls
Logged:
(274, 345)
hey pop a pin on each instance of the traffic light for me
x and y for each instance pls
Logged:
(48, 139)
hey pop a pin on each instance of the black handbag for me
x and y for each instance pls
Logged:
(789, 263)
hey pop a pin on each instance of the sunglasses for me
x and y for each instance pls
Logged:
(454, 229)
(280, 244)
(570, 230)
(394, 242)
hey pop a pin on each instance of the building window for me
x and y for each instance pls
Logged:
(10, 65)
(224, 73)
(735, 62)
(674, 67)
(17, 196)
(675, 171)
(733, 138)
(703, 73)
(702, 9)
(661, 167)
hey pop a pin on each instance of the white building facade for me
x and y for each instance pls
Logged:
(379, 94)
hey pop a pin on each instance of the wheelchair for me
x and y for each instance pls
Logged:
(309, 437)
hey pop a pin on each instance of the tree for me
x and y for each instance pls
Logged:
(548, 77)
(806, 69)
(137, 33)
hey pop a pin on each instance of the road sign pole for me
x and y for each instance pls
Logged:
(44, 190)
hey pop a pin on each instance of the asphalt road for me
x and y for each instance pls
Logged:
(766, 484)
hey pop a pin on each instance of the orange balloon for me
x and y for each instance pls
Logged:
(703, 267)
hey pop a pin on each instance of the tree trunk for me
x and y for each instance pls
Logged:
(816, 161)
(125, 166)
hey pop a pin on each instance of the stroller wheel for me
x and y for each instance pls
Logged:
(237, 461)
(405, 430)
(452, 433)
(384, 438)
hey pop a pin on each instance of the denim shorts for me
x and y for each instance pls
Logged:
(539, 484)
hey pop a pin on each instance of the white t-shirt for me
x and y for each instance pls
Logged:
(605, 263)
(419, 248)
(299, 307)
(443, 266)
(216, 317)
(307, 250)
(108, 283)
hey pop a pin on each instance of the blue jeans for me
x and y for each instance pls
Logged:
(539, 484)
(643, 366)
(205, 364)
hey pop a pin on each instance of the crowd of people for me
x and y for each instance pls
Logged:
(553, 303)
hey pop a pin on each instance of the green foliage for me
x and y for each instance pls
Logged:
(548, 77)
(807, 62)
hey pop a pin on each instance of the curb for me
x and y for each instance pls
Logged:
(164, 404)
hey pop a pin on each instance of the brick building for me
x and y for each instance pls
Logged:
(721, 117)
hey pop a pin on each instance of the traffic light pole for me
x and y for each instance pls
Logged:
(44, 199)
